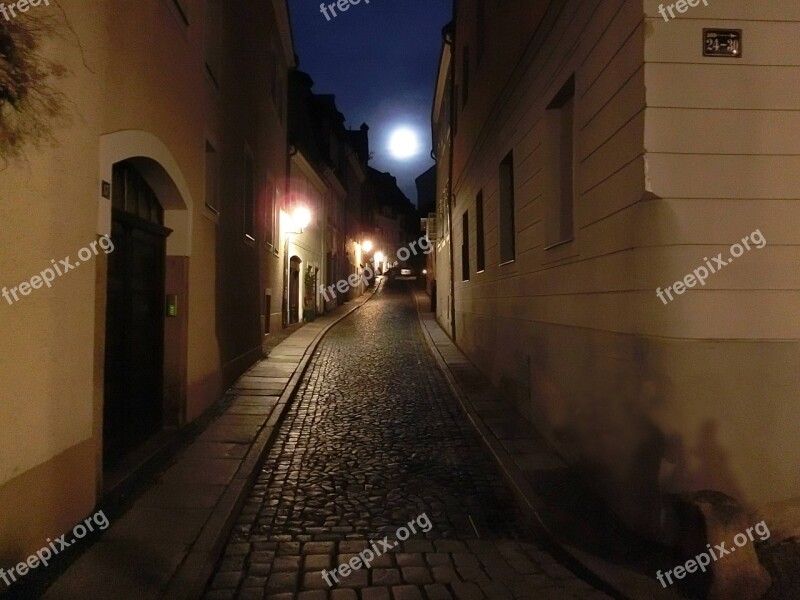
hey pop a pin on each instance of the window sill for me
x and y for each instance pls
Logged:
(211, 214)
(561, 243)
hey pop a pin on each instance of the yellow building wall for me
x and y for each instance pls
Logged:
(48, 210)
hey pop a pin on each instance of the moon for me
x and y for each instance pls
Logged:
(404, 143)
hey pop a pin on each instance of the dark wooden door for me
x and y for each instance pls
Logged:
(134, 359)
(294, 290)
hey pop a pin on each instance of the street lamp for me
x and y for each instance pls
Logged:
(301, 217)
(367, 246)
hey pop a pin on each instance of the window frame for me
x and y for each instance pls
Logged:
(480, 235)
(506, 210)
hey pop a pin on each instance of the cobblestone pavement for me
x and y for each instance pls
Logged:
(373, 441)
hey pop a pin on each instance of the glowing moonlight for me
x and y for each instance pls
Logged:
(404, 143)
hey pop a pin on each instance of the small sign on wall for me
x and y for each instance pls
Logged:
(726, 43)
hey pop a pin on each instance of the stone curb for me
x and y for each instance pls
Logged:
(190, 581)
(615, 579)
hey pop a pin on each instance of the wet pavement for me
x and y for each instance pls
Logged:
(373, 442)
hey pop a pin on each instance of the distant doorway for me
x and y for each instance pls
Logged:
(294, 289)
(134, 349)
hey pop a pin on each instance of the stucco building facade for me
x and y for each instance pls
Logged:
(583, 180)
(171, 138)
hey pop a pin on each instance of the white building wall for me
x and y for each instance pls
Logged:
(677, 157)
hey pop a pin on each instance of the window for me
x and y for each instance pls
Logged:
(481, 28)
(131, 194)
(480, 252)
(559, 204)
(249, 196)
(465, 77)
(212, 178)
(506, 212)
(465, 247)
(213, 40)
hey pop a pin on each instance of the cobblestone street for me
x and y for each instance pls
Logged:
(373, 441)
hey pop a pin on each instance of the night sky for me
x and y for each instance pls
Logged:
(380, 60)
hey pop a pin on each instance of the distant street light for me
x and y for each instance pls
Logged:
(367, 246)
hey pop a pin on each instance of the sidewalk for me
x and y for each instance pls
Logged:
(167, 543)
(553, 500)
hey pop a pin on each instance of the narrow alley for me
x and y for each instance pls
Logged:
(373, 440)
(399, 300)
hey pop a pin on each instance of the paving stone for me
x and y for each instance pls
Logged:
(313, 580)
(226, 580)
(444, 574)
(258, 582)
(356, 579)
(319, 548)
(313, 595)
(437, 591)
(237, 549)
(416, 575)
(384, 561)
(352, 462)
(407, 592)
(497, 591)
(220, 595)
(265, 556)
(469, 591)
(451, 546)
(409, 560)
(251, 594)
(353, 546)
(259, 569)
(418, 546)
(386, 577)
(282, 582)
(466, 560)
(376, 593)
(317, 562)
(232, 563)
(286, 563)
(473, 574)
(289, 548)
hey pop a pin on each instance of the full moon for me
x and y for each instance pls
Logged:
(404, 143)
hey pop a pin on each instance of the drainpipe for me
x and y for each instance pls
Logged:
(451, 42)
(286, 274)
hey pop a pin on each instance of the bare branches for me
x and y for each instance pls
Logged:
(29, 104)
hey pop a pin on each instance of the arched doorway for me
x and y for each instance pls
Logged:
(134, 348)
(294, 289)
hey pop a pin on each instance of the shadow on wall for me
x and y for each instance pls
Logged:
(614, 440)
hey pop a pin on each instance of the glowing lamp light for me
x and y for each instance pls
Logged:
(367, 246)
(379, 257)
(301, 217)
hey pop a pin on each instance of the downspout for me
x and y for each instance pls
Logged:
(453, 107)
